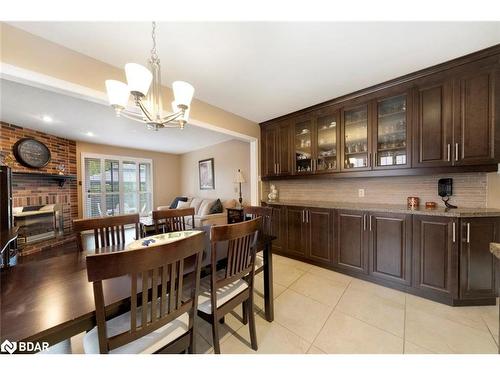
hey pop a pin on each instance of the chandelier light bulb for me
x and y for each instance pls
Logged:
(118, 94)
(183, 93)
(138, 79)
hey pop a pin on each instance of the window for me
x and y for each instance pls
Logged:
(115, 185)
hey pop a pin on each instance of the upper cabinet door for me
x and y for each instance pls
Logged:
(432, 139)
(303, 144)
(391, 141)
(327, 137)
(355, 134)
(269, 137)
(283, 149)
(475, 120)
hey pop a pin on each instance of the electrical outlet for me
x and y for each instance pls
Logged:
(361, 193)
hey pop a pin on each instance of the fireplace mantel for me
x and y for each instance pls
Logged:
(59, 178)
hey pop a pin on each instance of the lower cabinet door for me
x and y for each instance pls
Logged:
(390, 246)
(320, 234)
(296, 227)
(352, 241)
(435, 252)
(477, 264)
(278, 227)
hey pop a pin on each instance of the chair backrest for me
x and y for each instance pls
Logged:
(108, 231)
(241, 239)
(172, 220)
(162, 267)
(266, 213)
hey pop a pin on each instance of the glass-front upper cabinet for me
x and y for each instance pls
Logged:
(327, 126)
(391, 132)
(356, 145)
(303, 145)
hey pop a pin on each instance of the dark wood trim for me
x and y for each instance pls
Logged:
(454, 63)
(390, 172)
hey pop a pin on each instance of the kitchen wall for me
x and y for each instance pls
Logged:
(228, 158)
(469, 189)
(166, 170)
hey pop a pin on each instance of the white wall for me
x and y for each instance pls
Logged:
(228, 158)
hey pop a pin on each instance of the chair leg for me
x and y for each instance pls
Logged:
(244, 308)
(251, 325)
(215, 335)
(192, 343)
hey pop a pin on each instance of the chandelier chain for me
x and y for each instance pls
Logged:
(154, 55)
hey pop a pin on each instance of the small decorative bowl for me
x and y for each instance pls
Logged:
(430, 205)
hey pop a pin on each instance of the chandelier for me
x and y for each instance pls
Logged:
(145, 87)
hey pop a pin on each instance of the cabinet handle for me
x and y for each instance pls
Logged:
(453, 231)
(307, 216)
(449, 152)
(456, 151)
(279, 168)
(375, 160)
(364, 222)
(468, 232)
(370, 224)
(370, 159)
(303, 216)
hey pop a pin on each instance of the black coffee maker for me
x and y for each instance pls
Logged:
(445, 191)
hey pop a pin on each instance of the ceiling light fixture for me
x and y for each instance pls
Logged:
(145, 87)
(46, 118)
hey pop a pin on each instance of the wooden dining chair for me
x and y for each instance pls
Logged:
(223, 290)
(173, 220)
(108, 231)
(161, 318)
(266, 213)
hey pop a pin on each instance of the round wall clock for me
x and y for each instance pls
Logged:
(31, 153)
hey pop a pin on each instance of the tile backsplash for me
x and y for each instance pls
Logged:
(469, 189)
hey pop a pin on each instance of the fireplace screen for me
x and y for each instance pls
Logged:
(38, 223)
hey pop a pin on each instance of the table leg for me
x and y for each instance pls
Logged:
(268, 282)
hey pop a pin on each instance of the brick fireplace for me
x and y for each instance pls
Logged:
(29, 190)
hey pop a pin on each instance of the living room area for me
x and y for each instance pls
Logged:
(98, 165)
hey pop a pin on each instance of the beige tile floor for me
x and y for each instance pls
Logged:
(319, 311)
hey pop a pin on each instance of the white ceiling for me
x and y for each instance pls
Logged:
(262, 70)
(74, 118)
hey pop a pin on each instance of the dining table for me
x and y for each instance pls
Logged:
(51, 300)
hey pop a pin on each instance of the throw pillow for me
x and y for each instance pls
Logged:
(176, 200)
(205, 207)
(216, 208)
(195, 203)
(182, 204)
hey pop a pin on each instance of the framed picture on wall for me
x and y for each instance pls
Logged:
(206, 172)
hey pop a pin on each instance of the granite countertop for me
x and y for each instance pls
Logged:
(495, 249)
(394, 208)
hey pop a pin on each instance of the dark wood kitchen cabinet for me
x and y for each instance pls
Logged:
(320, 234)
(351, 250)
(276, 149)
(310, 233)
(477, 264)
(433, 122)
(296, 232)
(444, 119)
(435, 257)
(477, 114)
(278, 227)
(390, 247)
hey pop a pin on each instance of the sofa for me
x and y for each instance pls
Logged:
(202, 206)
